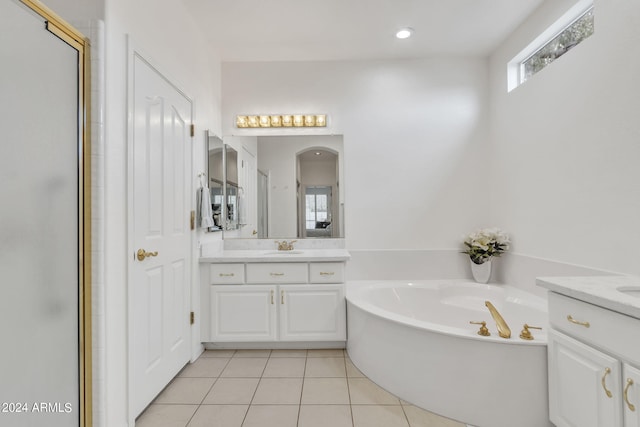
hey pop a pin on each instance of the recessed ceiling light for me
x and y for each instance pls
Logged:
(404, 33)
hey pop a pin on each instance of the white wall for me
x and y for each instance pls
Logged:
(565, 145)
(426, 120)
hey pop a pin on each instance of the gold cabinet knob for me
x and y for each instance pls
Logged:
(142, 254)
(526, 333)
(484, 331)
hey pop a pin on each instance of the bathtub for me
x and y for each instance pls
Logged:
(414, 339)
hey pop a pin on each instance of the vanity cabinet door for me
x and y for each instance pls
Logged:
(243, 313)
(579, 378)
(631, 396)
(312, 313)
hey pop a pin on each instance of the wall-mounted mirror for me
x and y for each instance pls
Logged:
(214, 178)
(294, 189)
(231, 187)
(222, 180)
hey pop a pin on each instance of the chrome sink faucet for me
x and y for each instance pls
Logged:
(503, 328)
(285, 246)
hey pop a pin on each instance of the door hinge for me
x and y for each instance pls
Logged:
(193, 220)
(192, 318)
(193, 130)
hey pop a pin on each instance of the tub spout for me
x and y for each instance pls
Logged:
(503, 328)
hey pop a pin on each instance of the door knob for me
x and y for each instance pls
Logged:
(142, 254)
(254, 232)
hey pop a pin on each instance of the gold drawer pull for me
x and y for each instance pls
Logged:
(271, 296)
(226, 274)
(282, 297)
(276, 274)
(631, 406)
(607, 371)
(577, 322)
(327, 273)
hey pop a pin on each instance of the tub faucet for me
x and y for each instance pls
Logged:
(503, 328)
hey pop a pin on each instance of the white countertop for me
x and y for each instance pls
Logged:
(296, 255)
(603, 291)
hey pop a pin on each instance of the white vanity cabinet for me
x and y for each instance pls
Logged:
(243, 313)
(312, 313)
(594, 355)
(277, 302)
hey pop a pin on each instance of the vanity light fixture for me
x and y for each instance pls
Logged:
(254, 122)
(404, 33)
(285, 120)
(265, 121)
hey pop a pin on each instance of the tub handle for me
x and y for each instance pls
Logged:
(607, 371)
(631, 406)
(484, 331)
(577, 322)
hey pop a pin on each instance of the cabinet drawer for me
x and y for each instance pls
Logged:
(277, 272)
(226, 274)
(615, 332)
(326, 272)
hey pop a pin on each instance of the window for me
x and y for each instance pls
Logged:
(571, 29)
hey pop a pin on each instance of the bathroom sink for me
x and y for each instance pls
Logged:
(632, 291)
(283, 252)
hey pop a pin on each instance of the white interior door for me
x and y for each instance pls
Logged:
(159, 282)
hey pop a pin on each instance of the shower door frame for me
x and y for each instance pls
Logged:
(79, 42)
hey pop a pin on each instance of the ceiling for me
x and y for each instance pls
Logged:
(322, 30)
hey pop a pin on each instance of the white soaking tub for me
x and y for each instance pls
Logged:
(414, 339)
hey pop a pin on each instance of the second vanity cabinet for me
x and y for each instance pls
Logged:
(594, 361)
(277, 302)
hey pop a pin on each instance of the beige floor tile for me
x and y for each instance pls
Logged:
(328, 352)
(325, 367)
(232, 391)
(271, 416)
(204, 367)
(352, 371)
(278, 391)
(186, 391)
(418, 417)
(166, 415)
(218, 353)
(363, 391)
(245, 367)
(288, 353)
(325, 391)
(378, 416)
(284, 367)
(219, 416)
(252, 353)
(325, 416)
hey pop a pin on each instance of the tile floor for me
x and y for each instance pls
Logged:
(280, 388)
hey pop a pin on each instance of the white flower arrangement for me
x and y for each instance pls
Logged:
(486, 243)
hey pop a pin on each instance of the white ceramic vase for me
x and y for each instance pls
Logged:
(481, 272)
